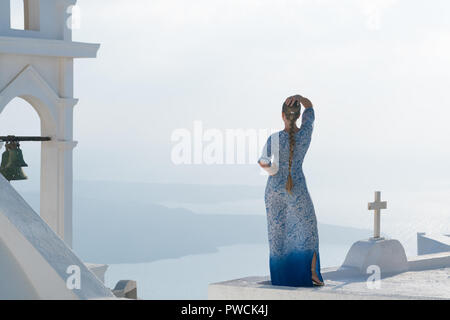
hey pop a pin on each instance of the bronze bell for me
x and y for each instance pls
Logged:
(15, 157)
(12, 163)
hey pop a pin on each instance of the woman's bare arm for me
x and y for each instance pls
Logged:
(270, 168)
(264, 165)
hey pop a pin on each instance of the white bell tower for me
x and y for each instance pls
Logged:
(36, 64)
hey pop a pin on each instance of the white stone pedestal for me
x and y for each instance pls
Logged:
(388, 254)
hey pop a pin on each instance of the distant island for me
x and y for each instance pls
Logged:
(136, 229)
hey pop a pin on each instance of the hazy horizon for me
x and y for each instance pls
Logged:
(376, 70)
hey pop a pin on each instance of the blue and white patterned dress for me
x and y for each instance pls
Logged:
(292, 224)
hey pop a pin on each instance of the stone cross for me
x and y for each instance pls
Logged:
(377, 206)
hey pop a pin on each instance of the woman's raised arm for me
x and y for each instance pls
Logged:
(306, 102)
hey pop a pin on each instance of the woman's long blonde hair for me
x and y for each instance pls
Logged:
(292, 113)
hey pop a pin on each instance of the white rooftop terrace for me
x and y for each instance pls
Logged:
(428, 277)
(375, 268)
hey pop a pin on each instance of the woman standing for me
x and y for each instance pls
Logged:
(292, 224)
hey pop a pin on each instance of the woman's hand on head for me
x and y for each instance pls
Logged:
(291, 100)
(300, 99)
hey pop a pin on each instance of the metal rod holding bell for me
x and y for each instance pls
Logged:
(21, 139)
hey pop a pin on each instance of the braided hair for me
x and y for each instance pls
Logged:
(292, 113)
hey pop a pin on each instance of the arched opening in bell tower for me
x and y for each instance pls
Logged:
(19, 118)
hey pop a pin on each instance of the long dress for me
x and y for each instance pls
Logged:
(292, 224)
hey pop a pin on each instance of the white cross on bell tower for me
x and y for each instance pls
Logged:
(36, 64)
(377, 205)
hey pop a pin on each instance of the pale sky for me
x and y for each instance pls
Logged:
(377, 75)
(377, 72)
